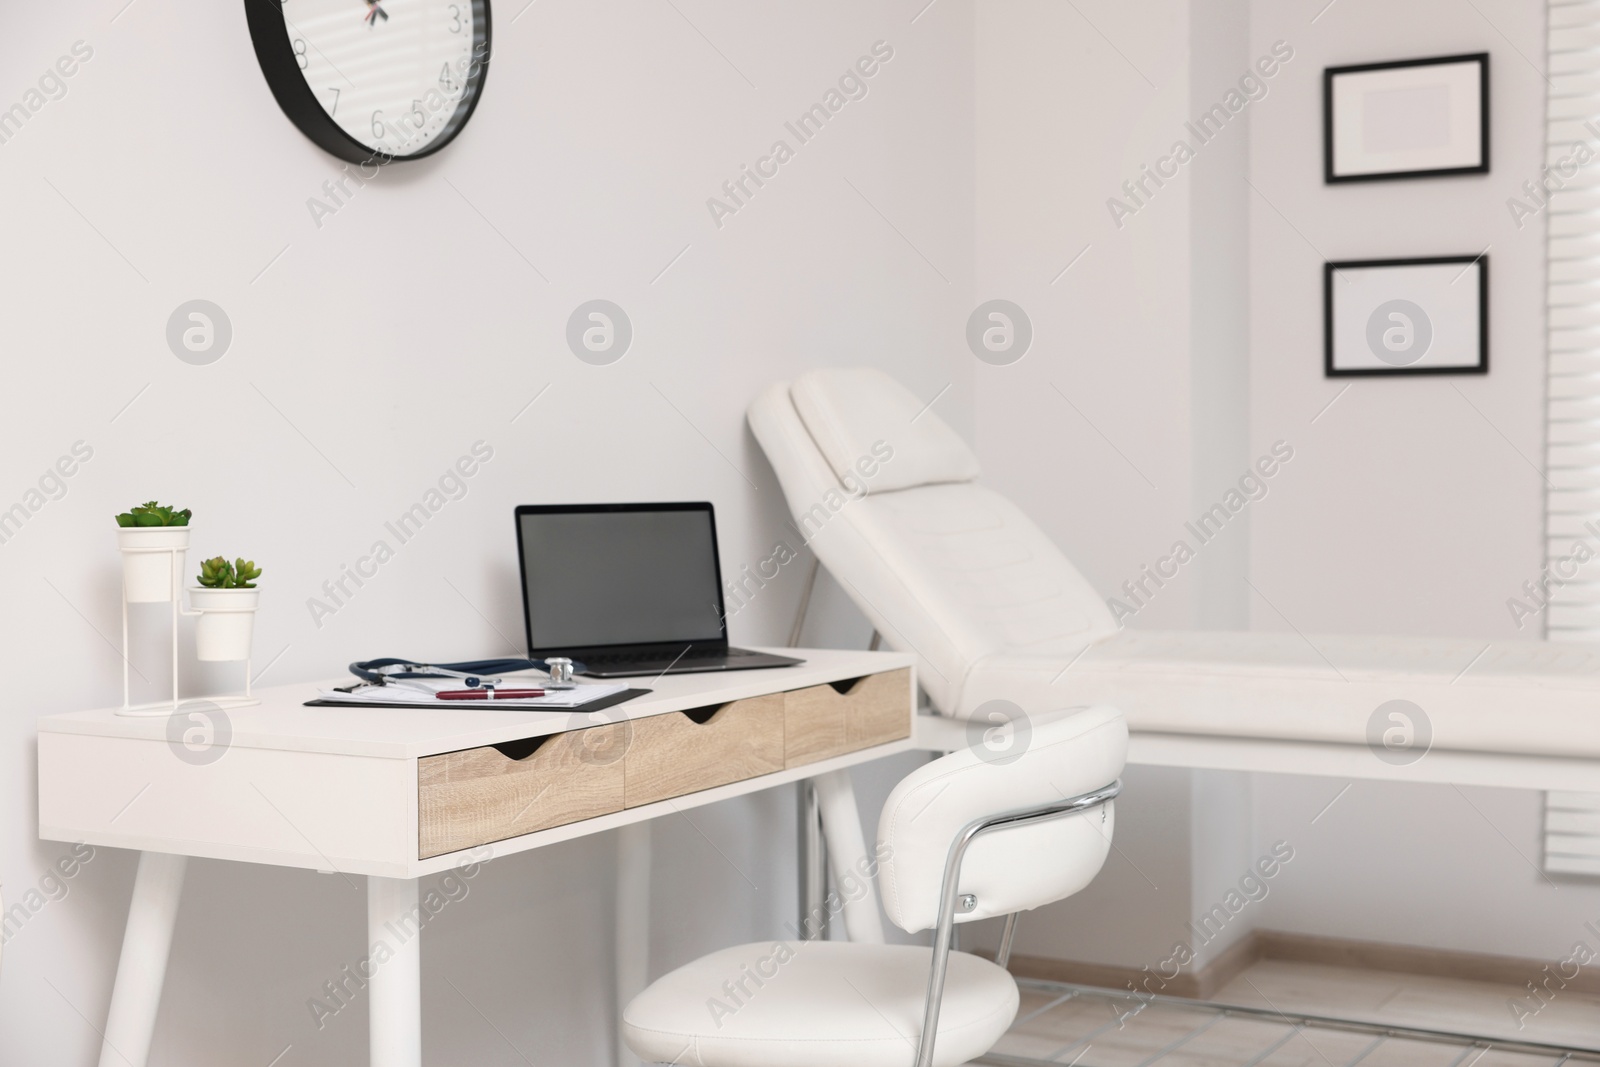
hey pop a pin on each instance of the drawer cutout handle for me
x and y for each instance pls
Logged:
(522, 747)
(701, 716)
(843, 686)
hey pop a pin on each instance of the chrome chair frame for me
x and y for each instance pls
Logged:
(950, 893)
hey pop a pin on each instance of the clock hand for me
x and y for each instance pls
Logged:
(374, 11)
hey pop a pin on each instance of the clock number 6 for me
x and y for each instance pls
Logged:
(300, 56)
(379, 130)
(455, 19)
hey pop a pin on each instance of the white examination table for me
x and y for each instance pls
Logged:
(887, 497)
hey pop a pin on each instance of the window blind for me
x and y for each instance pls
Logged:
(1567, 194)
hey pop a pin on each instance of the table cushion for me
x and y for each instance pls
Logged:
(1525, 697)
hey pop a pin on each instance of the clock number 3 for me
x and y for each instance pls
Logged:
(300, 56)
(455, 19)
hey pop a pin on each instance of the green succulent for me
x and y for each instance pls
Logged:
(218, 573)
(153, 514)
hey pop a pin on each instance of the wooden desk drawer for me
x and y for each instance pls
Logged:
(480, 795)
(684, 752)
(820, 722)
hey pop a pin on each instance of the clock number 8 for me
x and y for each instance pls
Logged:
(300, 56)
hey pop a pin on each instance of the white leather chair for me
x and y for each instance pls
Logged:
(965, 837)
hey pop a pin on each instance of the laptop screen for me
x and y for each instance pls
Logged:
(619, 574)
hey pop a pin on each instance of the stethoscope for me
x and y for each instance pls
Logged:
(474, 674)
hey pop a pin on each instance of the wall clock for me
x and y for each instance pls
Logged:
(374, 80)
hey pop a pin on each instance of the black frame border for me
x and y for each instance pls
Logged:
(572, 509)
(1332, 268)
(1329, 73)
(275, 52)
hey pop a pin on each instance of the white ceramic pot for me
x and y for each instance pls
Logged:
(226, 623)
(148, 558)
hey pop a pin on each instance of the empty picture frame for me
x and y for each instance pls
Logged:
(1417, 118)
(1406, 316)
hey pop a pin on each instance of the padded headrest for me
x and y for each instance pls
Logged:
(860, 418)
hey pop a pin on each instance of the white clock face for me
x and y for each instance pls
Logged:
(393, 74)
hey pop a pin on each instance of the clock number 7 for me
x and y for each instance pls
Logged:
(334, 89)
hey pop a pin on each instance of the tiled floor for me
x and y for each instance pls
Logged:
(1411, 1000)
(1061, 1024)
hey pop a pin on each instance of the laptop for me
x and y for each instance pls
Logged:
(627, 589)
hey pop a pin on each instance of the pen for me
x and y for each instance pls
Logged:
(488, 694)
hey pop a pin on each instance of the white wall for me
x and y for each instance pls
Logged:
(376, 350)
(1411, 506)
(1129, 415)
(1219, 267)
(1089, 432)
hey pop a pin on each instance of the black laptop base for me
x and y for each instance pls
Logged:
(632, 663)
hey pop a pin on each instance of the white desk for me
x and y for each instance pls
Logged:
(379, 791)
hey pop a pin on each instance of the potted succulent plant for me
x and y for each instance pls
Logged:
(153, 539)
(226, 599)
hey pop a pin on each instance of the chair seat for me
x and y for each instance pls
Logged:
(817, 1004)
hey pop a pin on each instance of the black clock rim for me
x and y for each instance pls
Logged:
(275, 53)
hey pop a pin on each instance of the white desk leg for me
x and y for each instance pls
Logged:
(633, 923)
(848, 857)
(395, 993)
(142, 969)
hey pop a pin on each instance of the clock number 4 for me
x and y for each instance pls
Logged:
(445, 81)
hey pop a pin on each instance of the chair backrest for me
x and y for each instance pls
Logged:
(1008, 869)
(884, 492)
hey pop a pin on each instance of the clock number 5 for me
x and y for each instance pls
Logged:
(300, 56)
(455, 19)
